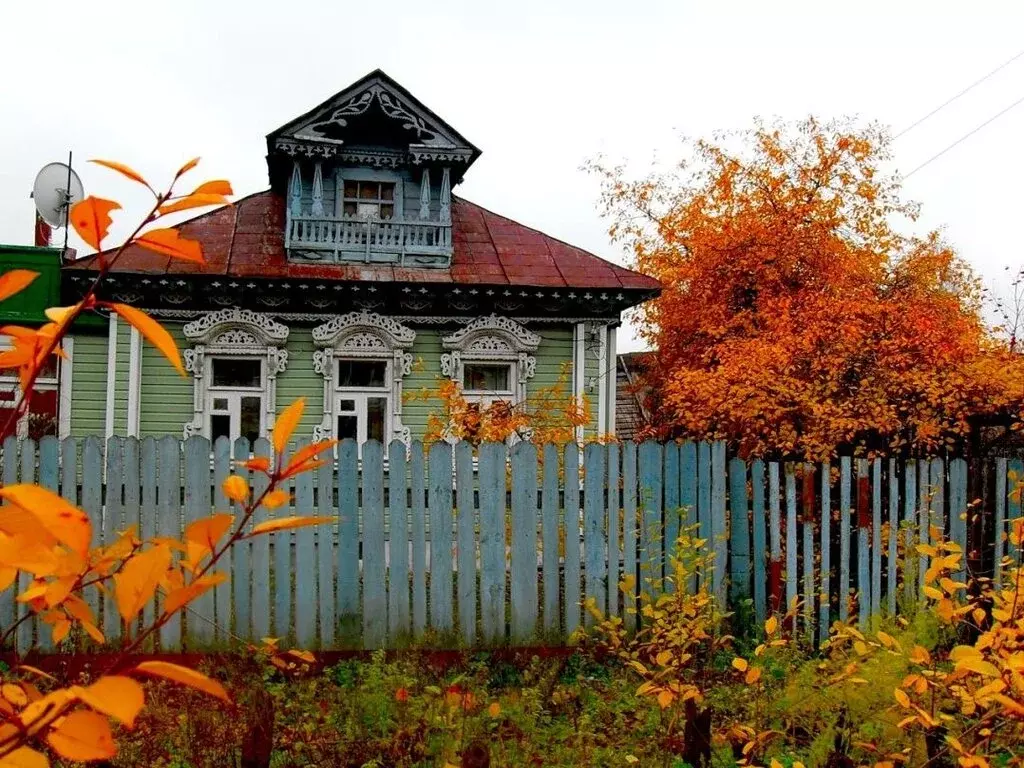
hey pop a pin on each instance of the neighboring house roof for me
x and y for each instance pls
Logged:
(246, 239)
(630, 414)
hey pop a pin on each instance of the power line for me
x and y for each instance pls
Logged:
(950, 100)
(964, 137)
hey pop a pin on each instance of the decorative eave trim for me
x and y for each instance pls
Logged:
(293, 317)
(212, 325)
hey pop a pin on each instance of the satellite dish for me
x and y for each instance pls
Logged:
(55, 190)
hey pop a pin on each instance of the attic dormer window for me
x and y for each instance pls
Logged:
(369, 199)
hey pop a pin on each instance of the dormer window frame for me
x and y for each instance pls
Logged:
(358, 175)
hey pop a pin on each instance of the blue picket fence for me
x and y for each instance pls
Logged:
(461, 546)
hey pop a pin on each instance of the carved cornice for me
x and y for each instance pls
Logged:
(493, 334)
(300, 317)
(295, 148)
(363, 332)
(261, 330)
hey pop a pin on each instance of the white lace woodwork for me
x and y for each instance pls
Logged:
(492, 339)
(317, 207)
(233, 332)
(295, 190)
(363, 336)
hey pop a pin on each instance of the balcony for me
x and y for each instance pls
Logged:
(407, 242)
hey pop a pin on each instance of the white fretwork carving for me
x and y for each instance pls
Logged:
(238, 332)
(363, 335)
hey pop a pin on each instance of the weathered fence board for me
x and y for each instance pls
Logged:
(488, 546)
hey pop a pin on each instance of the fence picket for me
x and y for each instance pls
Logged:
(670, 483)
(306, 576)
(651, 532)
(440, 504)
(281, 543)
(739, 539)
(571, 523)
(549, 510)
(260, 553)
(864, 593)
(241, 593)
(775, 533)
(465, 523)
(26, 629)
(399, 625)
(612, 527)
(418, 513)
(1015, 493)
(825, 598)
(808, 504)
(958, 511)
(629, 538)
(113, 521)
(759, 551)
(791, 545)
(924, 517)
(876, 537)
(593, 538)
(49, 478)
(845, 484)
(523, 560)
(92, 501)
(492, 542)
(199, 616)
(168, 501)
(909, 526)
(718, 519)
(221, 601)
(375, 599)
(704, 500)
(148, 516)
(688, 495)
(894, 524)
(349, 615)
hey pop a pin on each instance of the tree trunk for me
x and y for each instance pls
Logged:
(697, 736)
(259, 738)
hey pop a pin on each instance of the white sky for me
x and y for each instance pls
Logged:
(540, 87)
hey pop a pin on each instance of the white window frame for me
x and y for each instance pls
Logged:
(363, 336)
(360, 396)
(233, 395)
(373, 176)
(238, 333)
(9, 382)
(488, 397)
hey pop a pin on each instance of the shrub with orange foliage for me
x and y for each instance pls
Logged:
(797, 318)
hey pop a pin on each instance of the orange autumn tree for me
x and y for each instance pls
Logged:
(45, 541)
(797, 318)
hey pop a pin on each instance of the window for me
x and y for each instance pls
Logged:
(234, 398)
(361, 400)
(483, 379)
(42, 417)
(368, 199)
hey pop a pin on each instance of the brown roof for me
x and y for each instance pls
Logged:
(247, 240)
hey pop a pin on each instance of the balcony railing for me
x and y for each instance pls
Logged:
(412, 242)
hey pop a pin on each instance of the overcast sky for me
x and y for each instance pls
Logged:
(539, 86)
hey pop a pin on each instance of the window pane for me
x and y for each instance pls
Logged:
(230, 372)
(350, 209)
(250, 418)
(367, 190)
(220, 426)
(346, 406)
(347, 427)
(49, 369)
(387, 211)
(361, 373)
(387, 191)
(220, 403)
(350, 189)
(368, 209)
(42, 415)
(485, 378)
(376, 407)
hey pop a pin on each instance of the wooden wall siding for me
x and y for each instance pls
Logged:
(300, 380)
(124, 344)
(89, 384)
(165, 398)
(456, 546)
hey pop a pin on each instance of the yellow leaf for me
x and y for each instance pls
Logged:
(60, 520)
(978, 665)
(93, 631)
(634, 759)
(665, 699)
(964, 652)
(235, 488)
(169, 243)
(933, 593)
(186, 168)
(860, 647)
(91, 219)
(753, 675)
(123, 169)
(275, 499)
(283, 523)
(60, 630)
(83, 735)
(183, 675)
(30, 594)
(771, 625)
(776, 764)
(24, 757)
(203, 535)
(14, 694)
(15, 281)
(920, 655)
(215, 187)
(192, 201)
(902, 698)
(115, 695)
(740, 664)
(887, 640)
(182, 596)
(155, 333)
(286, 424)
(137, 581)
(663, 658)
(494, 710)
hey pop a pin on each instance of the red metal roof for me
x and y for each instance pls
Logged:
(247, 240)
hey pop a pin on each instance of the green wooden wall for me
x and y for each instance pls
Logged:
(166, 398)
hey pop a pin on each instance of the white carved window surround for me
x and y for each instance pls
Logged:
(363, 357)
(225, 344)
(491, 358)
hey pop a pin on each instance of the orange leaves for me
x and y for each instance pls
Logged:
(178, 598)
(136, 584)
(275, 498)
(124, 170)
(91, 219)
(42, 516)
(81, 736)
(155, 333)
(24, 757)
(284, 523)
(286, 423)
(186, 168)
(235, 488)
(15, 281)
(201, 536)
(115, 695)
(169, 243)
(191, 201)
(184, 676)
(304, 459)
